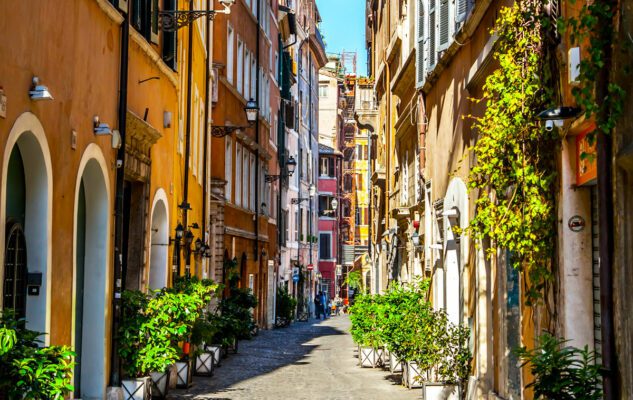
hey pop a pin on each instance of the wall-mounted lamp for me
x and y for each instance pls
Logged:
(101, 128)
(198, 245)
(39, 92)
(334, 204)
(415, 239)
(262, 208)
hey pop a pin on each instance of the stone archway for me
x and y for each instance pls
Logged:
(158, 265)
(27, 142)
(91, 274)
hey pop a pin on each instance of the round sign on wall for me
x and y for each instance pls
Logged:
(577, 223)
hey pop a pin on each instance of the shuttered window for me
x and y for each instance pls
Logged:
(325, 246)
(461, 10)
(431, 37)
(420, 49)
(443, 24)
(170, 40)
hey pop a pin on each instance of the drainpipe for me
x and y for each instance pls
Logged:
(119, 264)
(205, 178)
(185, 201)
(606, 224)
(257, 97)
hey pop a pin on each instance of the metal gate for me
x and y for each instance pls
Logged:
(15, 271)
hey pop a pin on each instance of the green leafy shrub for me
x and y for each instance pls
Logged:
(286, 304)
(28, 371)
(152, 325)
(562, 372)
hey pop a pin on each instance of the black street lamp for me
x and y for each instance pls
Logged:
(252, 113)
(290, 167)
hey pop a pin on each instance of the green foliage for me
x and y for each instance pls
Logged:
(354, 280)
(28, 371)
(592, 29)
(236, 310)
(515, 172)
(405, 321)
(152, 325)
(286, 304)
(562, 372)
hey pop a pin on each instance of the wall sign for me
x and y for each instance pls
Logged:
(577, 223)
(586, 158)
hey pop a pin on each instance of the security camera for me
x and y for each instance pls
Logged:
(119, 163)
(549, 125)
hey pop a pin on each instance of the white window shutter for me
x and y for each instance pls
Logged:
(432, 37)
(420, 63)
(461, 11)
(444, 33)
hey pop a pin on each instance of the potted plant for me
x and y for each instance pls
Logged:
(29, 371)
(562, 372)
(285, 307)
(202, 333)
(365, 329)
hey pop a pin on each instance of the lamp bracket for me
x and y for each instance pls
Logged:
(299, 200)
(171, 21)
(220, 131)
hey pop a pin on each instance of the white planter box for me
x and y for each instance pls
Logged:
(395, 364)
(204, 364)
(411, 375)
(380, 354)
(368, 357)
(440, 391)
(384, 360)
(136, 389)
(216, 350)
(160, 384)
(183, 370)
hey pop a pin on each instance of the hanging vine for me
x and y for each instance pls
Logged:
(593, 29)
(514, 175)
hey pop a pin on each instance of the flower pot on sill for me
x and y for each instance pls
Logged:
(136, 389)
(411, 375)
(160, 384)
(440, 391)
(204, 364)
(395, 363)
(216, 350)
(184, 374)
(368, 357)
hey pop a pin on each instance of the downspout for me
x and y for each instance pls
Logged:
(115, 369)
(205, 184)
(185, 201)
(257, 172)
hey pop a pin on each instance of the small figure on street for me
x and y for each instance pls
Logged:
(329, 307)
(323, 304)
(317, 306)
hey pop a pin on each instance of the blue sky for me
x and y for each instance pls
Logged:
(343, 27)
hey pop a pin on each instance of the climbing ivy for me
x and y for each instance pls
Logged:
(514, 174)
(592, 29)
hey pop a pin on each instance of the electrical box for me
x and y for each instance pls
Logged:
(33, 283)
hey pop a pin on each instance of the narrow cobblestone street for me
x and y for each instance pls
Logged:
(314, 360)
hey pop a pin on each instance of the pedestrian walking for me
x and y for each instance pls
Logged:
(323, 303)
(317, 306)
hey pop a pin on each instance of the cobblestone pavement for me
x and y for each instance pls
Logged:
(314, 360)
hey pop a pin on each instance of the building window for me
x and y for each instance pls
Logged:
(323, 90)
(228, 168)
(240, 66)
(230, 54)
(238, 174)
(253, 181)
(170, 40)
(325, 246)
(245, 177)
(247, 74)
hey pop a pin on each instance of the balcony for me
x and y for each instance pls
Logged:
(318, 46)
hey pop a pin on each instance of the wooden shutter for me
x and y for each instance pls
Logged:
(154, 21)
(443, 24)
(432, 27)
(170, 40)
(420, 70)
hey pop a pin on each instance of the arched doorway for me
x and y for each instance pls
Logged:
(15, 270)
(26, 214)
(92, 232)
(158, 265)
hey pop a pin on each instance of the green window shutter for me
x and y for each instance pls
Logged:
(170, 40)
